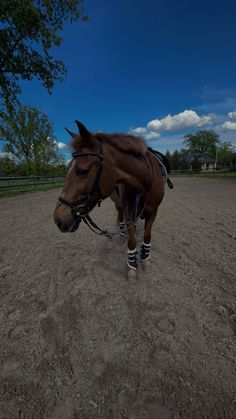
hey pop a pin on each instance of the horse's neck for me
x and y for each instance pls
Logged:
(129, 169)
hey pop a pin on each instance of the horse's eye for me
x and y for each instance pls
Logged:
(82, 172)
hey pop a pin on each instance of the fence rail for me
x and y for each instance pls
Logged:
(222, 172)
(13, 185)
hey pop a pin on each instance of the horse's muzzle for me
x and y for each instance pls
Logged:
(68, 225)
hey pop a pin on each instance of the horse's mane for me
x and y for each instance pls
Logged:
(124, 143)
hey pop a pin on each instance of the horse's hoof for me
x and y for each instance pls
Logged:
(146, 265)
(123, 235)
(132, 275)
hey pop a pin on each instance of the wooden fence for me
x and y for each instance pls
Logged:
(224, 172)
(14, 185)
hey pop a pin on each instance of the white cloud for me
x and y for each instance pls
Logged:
(185, 119)
(167, 133)
(5, 154)
(151, 135)
(139, 131)
(144, 132)
(229, 125)
(232, 115)
(171, 123)
(62, 145)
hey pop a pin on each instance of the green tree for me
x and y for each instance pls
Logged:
(196, 164)
(8, 166)
(176, 160)
(168, 155)
(226, 154)
(28, 135)
(28, 31)
(202, 143)
(184, 157)
(179, 160)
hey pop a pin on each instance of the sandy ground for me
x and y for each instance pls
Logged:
(78, 341)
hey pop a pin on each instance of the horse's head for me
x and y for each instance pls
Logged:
(81, 191)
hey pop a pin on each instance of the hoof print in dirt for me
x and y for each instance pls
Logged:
(98, 368)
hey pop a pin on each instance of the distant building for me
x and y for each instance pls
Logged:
(207, 164)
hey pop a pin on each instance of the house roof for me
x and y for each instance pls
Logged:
(202, 158)
(206, 159)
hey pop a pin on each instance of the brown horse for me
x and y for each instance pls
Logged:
(116, 164)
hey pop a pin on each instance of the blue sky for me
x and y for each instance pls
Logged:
(157, 68)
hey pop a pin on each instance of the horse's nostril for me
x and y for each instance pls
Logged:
(60, 225)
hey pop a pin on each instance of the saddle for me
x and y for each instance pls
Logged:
(163, 163)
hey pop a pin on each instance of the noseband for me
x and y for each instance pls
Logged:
(82, 203)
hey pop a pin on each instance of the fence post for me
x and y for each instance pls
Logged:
(9, 186)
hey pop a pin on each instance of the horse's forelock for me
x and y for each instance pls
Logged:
(75, 143)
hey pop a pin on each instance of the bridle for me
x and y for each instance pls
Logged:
(76, 205)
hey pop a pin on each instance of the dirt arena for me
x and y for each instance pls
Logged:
(78, 342)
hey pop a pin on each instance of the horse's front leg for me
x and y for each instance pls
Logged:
(132, 252)
(128, 199)
(146, 245)
(116, 197)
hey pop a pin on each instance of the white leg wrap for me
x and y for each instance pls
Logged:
(132, 259)
(145, 251)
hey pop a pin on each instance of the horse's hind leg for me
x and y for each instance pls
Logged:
(146, 245)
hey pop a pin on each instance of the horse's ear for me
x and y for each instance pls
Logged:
(72, 134)
(84, 133)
